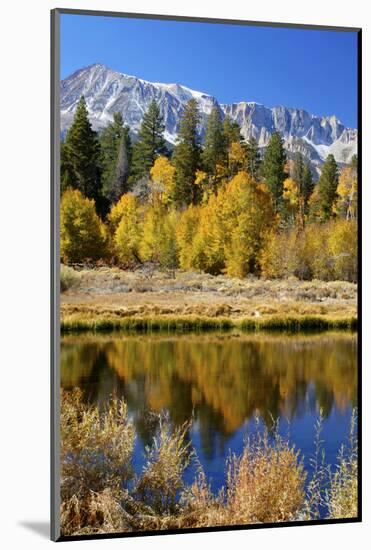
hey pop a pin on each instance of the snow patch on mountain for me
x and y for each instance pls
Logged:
(107, 91)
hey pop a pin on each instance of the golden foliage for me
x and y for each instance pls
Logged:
(343, 249)
(233, 378)
(236, 158)
(247, 214)
(83, 235)
(158, 242)
(321, 251)
(126, 224)
(162, 185)
(347, 190)
(186, 231)
(233, 229)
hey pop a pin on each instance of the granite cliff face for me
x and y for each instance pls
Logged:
(107, 91)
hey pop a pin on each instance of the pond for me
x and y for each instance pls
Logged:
(223, 382)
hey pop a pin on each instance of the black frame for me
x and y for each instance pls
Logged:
(55, 276)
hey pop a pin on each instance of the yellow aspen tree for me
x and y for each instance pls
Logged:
(162, 184)
(236, 158)
(342, 244)
(83, 234)
(185, 234)
(202, 182)
(208, 243)
(158, 242)
(347, 189)
(247, 215)
(294, 202)
(126, 203)
(128, 230)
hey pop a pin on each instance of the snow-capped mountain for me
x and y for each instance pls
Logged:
(107, 91)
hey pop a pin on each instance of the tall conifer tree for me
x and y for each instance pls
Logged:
(232, 131)
(253, 159)
(273, 169)
(328, 183)
(151, 142)
(115, 158)
(186, 155)
(215, 147)
(308, 185)
(80, 156)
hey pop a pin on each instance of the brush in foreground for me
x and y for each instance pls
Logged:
(101, 493)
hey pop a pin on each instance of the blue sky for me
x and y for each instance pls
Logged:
(310, 69)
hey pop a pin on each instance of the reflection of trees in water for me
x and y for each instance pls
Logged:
(220, 381)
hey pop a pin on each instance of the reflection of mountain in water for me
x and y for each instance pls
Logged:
(220, 381)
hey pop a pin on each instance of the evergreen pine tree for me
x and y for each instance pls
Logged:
(298, 171)
(232, 131)
(119, 181)
(327, 186)
(186, 155)
(273, 169)
(80, 156)
(308, 185)
(297, 175)
(115, 158)
(151, 142)
(215, 147)
(67, 173)
(253, 159)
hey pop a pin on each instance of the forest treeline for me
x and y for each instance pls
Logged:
(218, 206)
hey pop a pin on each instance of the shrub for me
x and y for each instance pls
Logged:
(162, 477)
(69, 278)
(95, 463)
(266, 483)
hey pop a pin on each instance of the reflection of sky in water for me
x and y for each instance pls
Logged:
(300, 430)
(221, 383)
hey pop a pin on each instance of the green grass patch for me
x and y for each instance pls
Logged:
(300, 323)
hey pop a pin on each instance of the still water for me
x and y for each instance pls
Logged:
(223, 382)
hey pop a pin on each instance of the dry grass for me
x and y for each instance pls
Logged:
(100, 492)
(265, 484)
(110, 295)
(162, 476)
(95, 460)
(335, 492)
(342, 496)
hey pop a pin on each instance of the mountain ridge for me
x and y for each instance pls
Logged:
(107, 91)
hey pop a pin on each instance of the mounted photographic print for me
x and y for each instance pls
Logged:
(205, 244)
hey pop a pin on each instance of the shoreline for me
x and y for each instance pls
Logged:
(189, 324)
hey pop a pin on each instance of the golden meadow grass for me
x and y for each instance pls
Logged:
(104, 299)
(102, 493)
